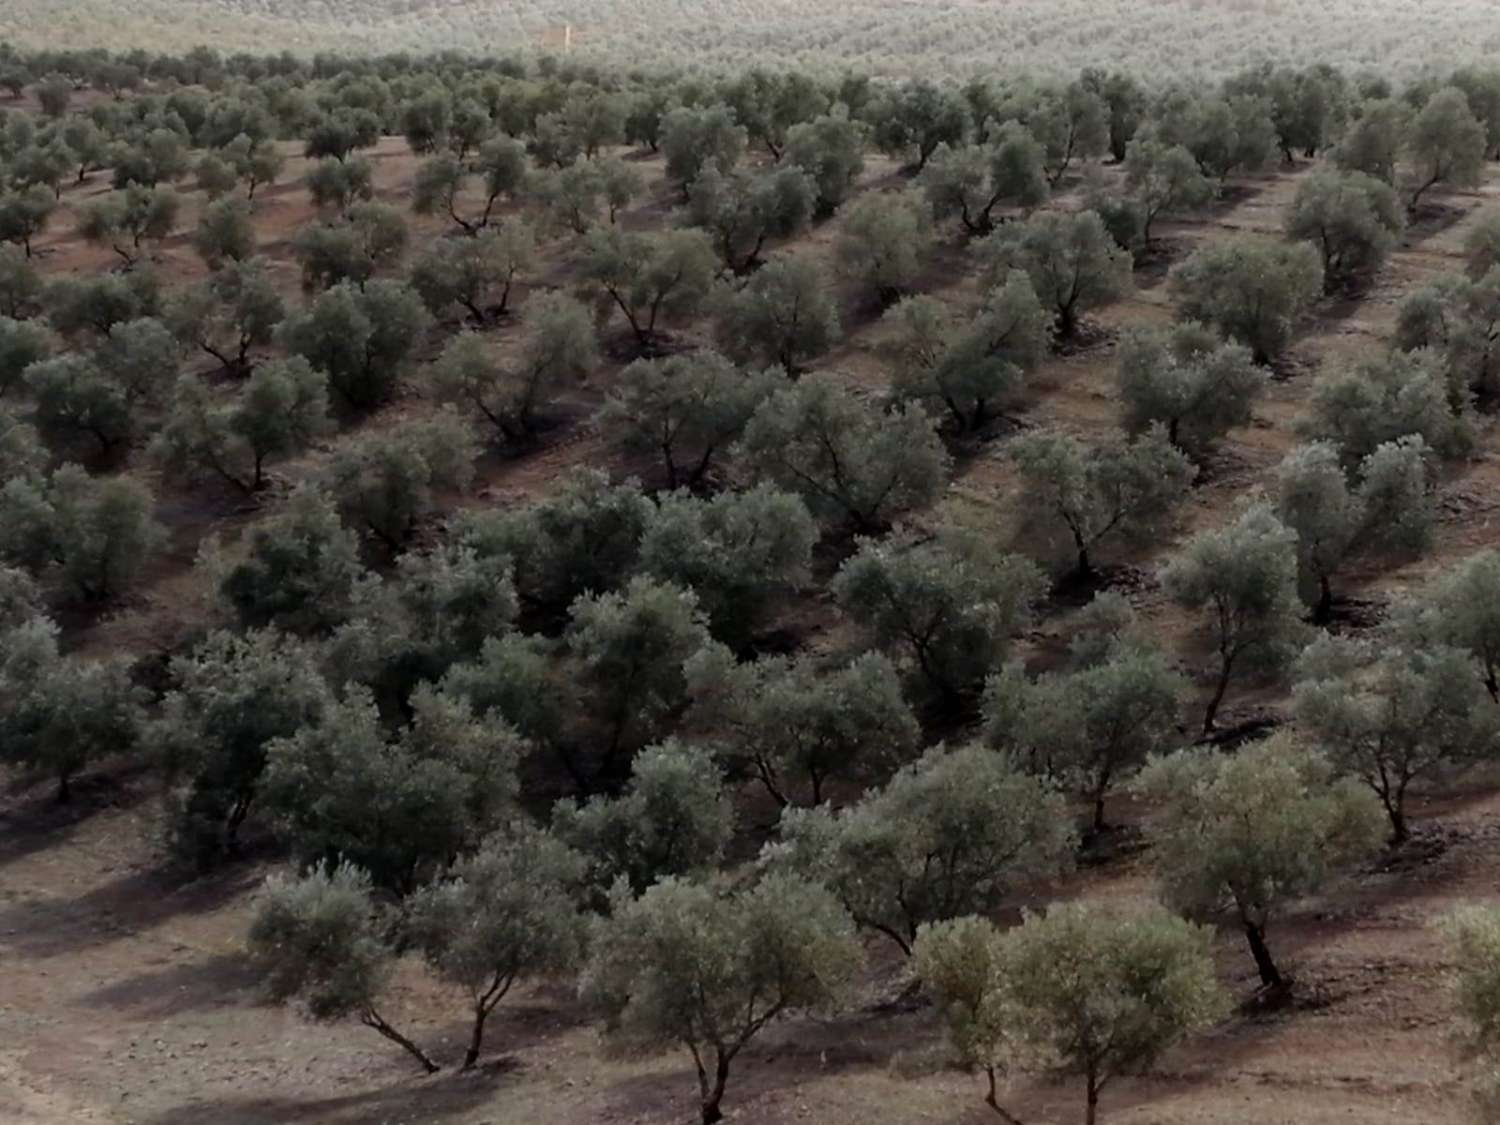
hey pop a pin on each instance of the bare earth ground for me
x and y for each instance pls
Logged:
(123, 998)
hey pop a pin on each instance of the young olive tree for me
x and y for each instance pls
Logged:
(1243, 579)
(1087, 495)
(685, 409)
(953, 833)
(1252, 290)
(559, 349)
(1248, 833)
(1087, 988)
(848, 460)
(320, 940)
(708, 969)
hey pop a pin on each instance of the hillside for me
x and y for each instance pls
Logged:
(132, 868)
(897, 37)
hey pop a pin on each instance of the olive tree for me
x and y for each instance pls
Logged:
(558, 349)
(971, 365)
(741, 211)
(1073, 262)
(949, 605)
(1087, 495)
(281, 411)
(474, 274)
(1373, 141)
(402, 807)
(1093, 724)
(340, 184)
(225, 233)
(584, 536)
(501, 168)
(685, 409)
(802, 727)
(1456, 607)
(371, 237)
(60, 713)
(648, 276)
(735, 551)
(505, 914)
(231, 696)
(953, 833)
(630, 646)
(95, 534)
(909, 121)
(830, 149)
(384, 483)
(846, 458)
(1458, 319)
(970, 183)
(1393, 715)
(1165, 178)
(24, 215)
(361, 336)
(1251, 832)
(299, 570)
(20, 283)
(708, 969)
(22, 343)
(693, 138)
(1364, 405)
(1087, 988)
(883, 243)
(232, 312)
(123, 220)
(1352, 218)
(1387, 510)
(320, 939)
(784, 314)
(1445, 145)
(674, 818)
(1243, 579)
(1253, 290)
